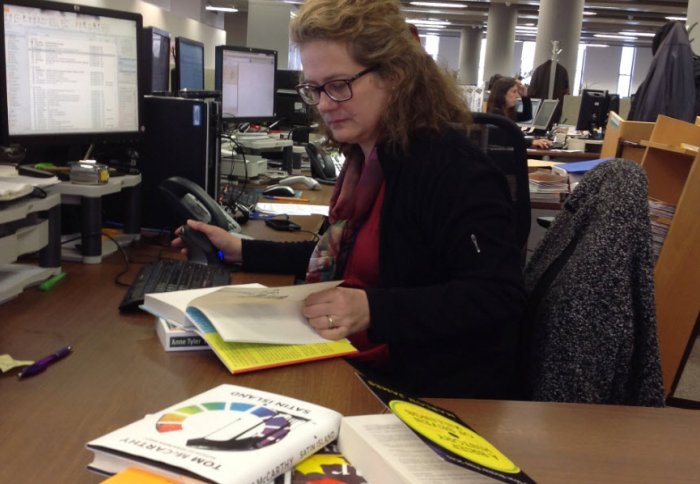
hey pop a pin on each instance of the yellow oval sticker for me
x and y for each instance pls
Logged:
(452, 436)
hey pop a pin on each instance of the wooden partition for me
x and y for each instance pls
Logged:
(623, 138)
(672, 165)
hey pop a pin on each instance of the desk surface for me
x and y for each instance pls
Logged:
(119, 372)
(562, 155)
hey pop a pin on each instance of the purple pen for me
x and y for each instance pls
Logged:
(44, 363)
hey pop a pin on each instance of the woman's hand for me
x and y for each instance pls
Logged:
(229, 244)
(541, 143)
(337, 313)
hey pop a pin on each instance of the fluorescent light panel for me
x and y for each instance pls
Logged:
(439, 5)
(214, 8)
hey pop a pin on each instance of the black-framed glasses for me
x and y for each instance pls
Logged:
(339, 90)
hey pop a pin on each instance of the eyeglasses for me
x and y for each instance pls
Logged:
(339, 90)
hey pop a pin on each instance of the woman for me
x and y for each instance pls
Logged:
(421, 226)
(504, 96)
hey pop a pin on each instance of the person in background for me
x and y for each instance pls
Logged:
(421, 225)
(503, 99)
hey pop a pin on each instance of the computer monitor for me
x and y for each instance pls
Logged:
(156, 60)
(613, 105)
(290, 109)
(535, 103)
(543, 119)
(70, 76)
(189, 65)
(245, 76)
(593, 110)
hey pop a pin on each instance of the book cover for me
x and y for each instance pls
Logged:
(245, 357)
(442, 433)
(174, 338)
(327, 466)
(229, 434)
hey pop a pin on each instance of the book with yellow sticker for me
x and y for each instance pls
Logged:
(419, 442)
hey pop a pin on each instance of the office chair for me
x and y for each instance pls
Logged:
(503, 142)
(590, 333)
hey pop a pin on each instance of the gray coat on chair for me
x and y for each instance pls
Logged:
(592, 335)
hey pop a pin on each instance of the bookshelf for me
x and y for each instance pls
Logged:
(623, 138)
(672, 165)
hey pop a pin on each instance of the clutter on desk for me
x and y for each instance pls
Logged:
(546, 186)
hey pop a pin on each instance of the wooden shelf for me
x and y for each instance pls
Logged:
(673, 171)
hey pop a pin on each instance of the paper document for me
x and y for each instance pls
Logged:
(291, 209)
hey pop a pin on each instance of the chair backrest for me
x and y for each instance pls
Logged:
(591, 329)
(503, 142)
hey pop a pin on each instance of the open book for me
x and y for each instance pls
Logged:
(229, 434)
(243, 313)
(249, 314)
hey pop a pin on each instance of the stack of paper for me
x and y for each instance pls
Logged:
(546, 186)
(661, 214)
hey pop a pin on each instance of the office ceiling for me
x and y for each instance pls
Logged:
(629, 17)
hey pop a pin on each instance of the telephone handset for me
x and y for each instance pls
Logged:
(322, 164)
(189, 200)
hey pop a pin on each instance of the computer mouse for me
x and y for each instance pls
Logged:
(279, 191)
(199, 247)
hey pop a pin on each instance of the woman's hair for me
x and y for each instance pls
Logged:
(422, 95)
(497, 97)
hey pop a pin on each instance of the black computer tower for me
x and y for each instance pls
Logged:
(181, 138)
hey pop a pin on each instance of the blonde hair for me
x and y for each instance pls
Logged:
(423, 96)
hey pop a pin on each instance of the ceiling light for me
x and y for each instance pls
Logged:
(585, 12)
(615, 36)
(596, 45)
(214, 8)
(439, 4)
(428, 22)
(671, 17)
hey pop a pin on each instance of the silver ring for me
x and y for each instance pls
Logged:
(330, 322)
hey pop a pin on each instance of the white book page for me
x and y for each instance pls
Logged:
(262, 315)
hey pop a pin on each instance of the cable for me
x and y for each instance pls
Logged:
(127, 264)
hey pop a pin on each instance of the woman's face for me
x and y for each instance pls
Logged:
(357, 119)
(512, 97)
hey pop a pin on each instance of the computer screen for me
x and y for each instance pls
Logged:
(189, 65)
(543, 119)
(246, 78)
(156, 59)
(593, 110)
(290, 109)
(535, 102)
(71, 73)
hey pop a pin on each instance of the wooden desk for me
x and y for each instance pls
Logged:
(118, 372)
(561, 155)
(557, 442)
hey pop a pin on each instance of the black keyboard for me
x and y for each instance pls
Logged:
(172, 275)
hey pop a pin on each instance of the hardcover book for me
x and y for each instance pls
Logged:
(229, 434)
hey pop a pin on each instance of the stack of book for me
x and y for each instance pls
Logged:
(232, 434)
(661, 214)
(546, 186)
(249, 327)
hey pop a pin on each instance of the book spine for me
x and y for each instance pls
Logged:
(186, 342)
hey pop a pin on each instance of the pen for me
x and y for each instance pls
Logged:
(44, 363)
(286, 199)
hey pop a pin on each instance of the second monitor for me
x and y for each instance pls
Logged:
(245, 76)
